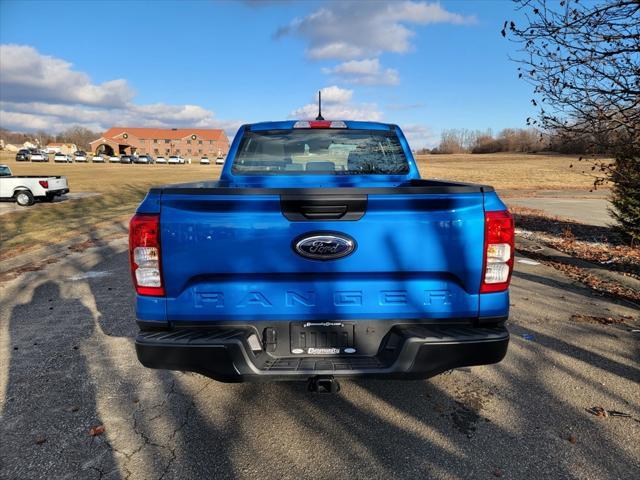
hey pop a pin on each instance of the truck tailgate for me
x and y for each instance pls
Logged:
(57, 183)
(230, 257)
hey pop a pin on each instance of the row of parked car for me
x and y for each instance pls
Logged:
(35, 155)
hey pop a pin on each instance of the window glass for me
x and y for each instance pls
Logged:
(320, 152)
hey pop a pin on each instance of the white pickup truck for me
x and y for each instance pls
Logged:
(25, 190)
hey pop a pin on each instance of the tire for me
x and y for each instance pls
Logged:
(49, 197)
(24, 198)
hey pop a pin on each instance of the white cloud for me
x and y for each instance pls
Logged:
(40, 92)
(31, 76)
(337, 104)
(350, 30)
(335, 94)
(364, 72)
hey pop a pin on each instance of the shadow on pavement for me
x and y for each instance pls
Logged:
(51, 397)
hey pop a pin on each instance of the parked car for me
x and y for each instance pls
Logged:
(161, 160)
(358, 268)
(205, 161)
(125, 159)
(80, 156)
(114, 159)
(25, 190)
(219, 160)
(146, 159)
(176, 160)
(62, 158)
(38, 156)
(23, 155)
(97, 159)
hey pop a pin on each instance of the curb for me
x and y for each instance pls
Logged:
(591, 268)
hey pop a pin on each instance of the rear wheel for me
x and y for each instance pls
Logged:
(24, 198)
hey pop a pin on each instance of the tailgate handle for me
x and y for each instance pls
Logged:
(322, 212)
(301, 208)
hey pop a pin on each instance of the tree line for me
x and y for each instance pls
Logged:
(79, 136)
(518, 140)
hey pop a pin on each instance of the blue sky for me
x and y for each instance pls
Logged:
(426, 66)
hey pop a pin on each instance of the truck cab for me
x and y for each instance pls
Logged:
(321, 253)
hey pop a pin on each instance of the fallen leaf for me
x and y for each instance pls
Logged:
(97, 430)
(497, 472)
(598, 411)
(572, 438)
(40, 440)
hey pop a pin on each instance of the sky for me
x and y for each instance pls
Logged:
(426, 66)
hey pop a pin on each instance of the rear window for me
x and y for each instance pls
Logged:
(320, 152)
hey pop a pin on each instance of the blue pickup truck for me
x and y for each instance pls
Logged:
(321, 253)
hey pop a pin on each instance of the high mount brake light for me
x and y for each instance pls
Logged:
(320, 124)
(498, 251)
(144, 254)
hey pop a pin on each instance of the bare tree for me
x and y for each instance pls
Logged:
(583, 61)
(79, 136)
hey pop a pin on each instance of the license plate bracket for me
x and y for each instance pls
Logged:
(322, 338)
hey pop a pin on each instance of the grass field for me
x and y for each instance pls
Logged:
(507, 171)
(121, 187)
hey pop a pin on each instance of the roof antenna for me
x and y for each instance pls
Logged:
(319, 117)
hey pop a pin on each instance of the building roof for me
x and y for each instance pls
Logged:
(167, 133)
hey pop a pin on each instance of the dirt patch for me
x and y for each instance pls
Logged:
(466, 413)
(31, 267)
(597, 320)
(82, 246)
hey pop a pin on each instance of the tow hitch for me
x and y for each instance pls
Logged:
(319, 384)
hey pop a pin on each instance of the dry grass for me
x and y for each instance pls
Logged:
(507, 171)
(123, 187)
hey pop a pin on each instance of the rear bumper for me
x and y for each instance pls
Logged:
(57, 193)
(228, 354)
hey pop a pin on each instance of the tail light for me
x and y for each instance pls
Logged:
(498, 251)
(44, 183)
(144, 254)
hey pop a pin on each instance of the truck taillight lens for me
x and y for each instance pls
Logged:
(44, 183)
(498, 251)
(144, 254)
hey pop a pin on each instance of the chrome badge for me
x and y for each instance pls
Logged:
(324, 246)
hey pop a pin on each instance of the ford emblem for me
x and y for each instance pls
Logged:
(324, 246)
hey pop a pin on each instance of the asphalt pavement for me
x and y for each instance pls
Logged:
(67, 365)
(589, 211)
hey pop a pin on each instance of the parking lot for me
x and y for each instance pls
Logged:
(68, 366)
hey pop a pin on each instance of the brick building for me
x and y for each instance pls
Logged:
(186, 142)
